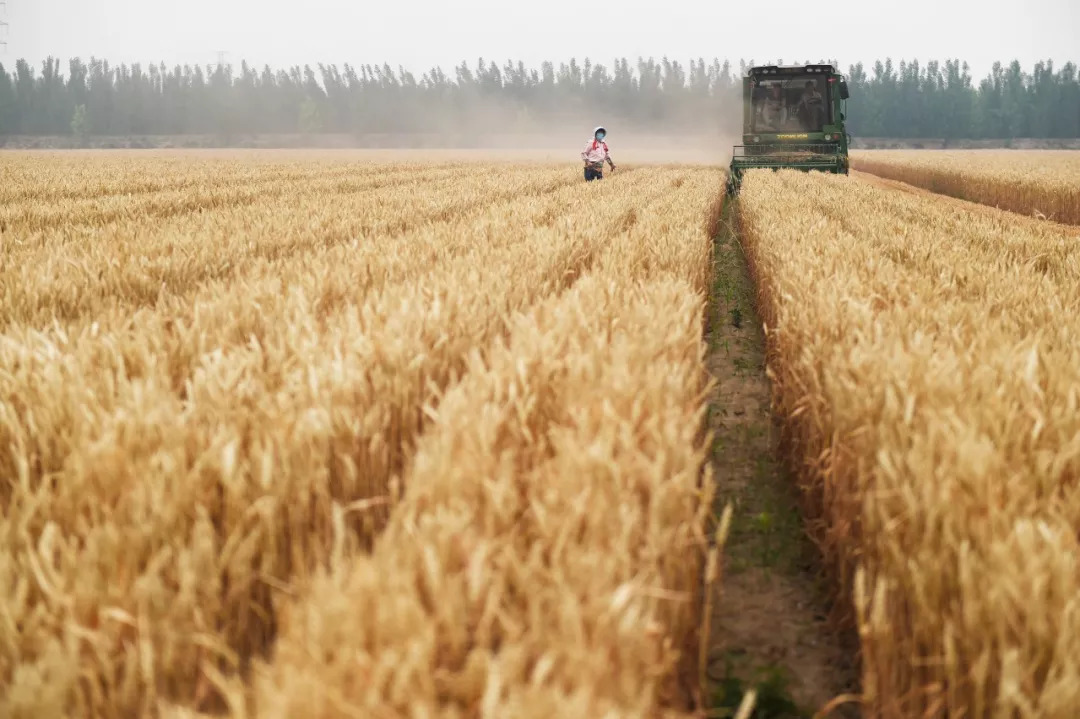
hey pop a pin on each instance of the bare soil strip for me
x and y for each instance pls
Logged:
(769, 624)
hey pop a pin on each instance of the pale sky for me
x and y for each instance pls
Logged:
(422, 33)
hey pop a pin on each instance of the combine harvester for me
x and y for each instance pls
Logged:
(793, 117)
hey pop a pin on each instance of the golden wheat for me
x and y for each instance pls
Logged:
(543, 561)
(215, 372)
(1038, 183)
(927, 368)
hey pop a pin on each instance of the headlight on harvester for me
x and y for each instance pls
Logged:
(756, 138)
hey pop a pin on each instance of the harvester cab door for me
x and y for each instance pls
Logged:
(844, 95)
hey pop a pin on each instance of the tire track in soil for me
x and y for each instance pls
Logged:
(769, 608)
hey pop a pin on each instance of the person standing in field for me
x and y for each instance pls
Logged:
(595, 155)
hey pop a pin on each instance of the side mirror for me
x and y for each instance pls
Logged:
(844, 90)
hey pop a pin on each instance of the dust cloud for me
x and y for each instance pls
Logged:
(494, 130)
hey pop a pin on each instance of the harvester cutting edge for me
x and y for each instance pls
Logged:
(793, 117)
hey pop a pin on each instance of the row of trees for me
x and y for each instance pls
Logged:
(941, 100)
(888, 100)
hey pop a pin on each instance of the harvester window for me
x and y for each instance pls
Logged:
(791, 104)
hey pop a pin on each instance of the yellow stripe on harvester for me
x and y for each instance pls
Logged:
(802, 136)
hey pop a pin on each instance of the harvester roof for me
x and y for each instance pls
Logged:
(822, 68)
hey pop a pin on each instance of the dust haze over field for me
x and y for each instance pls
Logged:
(491, 129)
(566, 143)
(565, 146)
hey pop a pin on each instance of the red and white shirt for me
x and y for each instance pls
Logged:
(595, 152)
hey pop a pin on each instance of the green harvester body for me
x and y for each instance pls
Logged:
(793, 118)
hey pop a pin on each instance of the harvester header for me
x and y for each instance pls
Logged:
(793, 117)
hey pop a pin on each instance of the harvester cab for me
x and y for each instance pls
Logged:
(793, 117)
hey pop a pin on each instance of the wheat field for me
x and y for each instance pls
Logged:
(1039, 183)
(288, 434)
(926, 364)
(294, 435)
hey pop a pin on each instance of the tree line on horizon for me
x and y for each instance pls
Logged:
(908, 99)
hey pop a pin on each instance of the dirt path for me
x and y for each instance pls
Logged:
(768, 625)
(994, 212)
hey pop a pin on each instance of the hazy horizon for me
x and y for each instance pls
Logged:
(421, 34)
